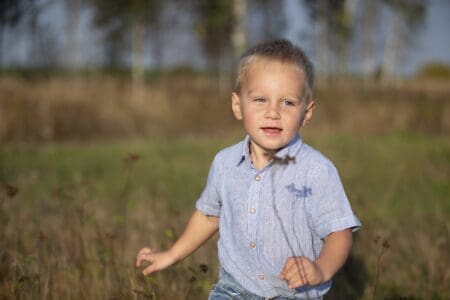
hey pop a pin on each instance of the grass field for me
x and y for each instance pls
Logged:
(89, 174)
(82, 211)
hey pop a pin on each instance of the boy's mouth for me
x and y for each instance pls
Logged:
(271, 130)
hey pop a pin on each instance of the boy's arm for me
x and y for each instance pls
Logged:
(332, 257)
(334, 253)
(198, 230)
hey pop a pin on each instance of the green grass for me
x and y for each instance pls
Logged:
(172, 169)
(75, 198)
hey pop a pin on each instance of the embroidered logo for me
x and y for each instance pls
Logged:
(299, 193)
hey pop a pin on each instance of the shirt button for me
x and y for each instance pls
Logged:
(252, 244)
(257, 178)
(261, 276)
(252, 210)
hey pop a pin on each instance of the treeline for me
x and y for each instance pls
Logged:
(343, 36)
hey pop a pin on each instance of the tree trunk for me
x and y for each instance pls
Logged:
(370, 15)
(238, 37)
(137, 61)
(137, 47)
(393, 48)
(321, 41)
(346, 36)
(34, 55)
(2, 38)
(73, 46)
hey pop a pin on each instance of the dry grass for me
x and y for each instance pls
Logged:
(86, 108)
(72, 245)
(70, 108)
(76, 222)
(81, 211)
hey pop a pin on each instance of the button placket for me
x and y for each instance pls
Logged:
(254, 194)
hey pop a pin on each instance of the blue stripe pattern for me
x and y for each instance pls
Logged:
(266, 214)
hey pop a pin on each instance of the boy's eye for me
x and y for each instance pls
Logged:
(259, 99)
(288, 102)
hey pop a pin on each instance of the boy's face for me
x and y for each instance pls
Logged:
(270, 103)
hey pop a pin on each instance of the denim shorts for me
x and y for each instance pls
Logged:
(227, 288)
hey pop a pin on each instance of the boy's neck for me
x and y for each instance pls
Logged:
(259, 157)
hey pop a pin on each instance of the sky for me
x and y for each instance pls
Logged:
(434, 41)
(181, 48)
(432, 44)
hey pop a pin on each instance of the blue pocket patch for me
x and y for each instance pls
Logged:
(299, 193)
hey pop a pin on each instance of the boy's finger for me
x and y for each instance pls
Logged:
(297, 273)
(296, 283)
(289, 262)
(298, 279)
(142, 258)
(294, 272)
(149, 270)
(145, 250)
(139, 260)
(287, 273)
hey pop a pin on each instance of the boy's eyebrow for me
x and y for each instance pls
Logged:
(253, 93)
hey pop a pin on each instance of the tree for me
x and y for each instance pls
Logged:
(407, 16)
(239, 39)
(273, 20)
(73, 49)
(333, 21)
(118, 18)
(370, 16)
(11, 12)
(214, 29)
(346, 15)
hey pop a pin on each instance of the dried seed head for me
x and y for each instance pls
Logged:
(131, 157)
(11, 190)
(284, 160)
(204, 268)
(281, 160)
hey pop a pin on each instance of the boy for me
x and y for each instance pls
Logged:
(284, 219)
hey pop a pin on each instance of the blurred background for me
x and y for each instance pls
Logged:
(111, 112)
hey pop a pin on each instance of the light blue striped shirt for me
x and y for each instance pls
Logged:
(266, 214)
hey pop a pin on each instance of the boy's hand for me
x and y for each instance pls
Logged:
(157, 260)
(299, 271)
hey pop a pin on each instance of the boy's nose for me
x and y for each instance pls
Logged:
(272, 112)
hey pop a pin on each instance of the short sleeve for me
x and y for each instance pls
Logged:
(329, 208)
(209, 202)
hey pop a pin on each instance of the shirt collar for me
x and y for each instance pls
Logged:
(290, 149)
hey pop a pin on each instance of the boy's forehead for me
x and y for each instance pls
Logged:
(263, 65)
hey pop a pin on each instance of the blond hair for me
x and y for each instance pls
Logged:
(282, 50)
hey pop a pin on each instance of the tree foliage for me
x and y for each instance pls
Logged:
(11, 11)
(335, 29)
(273, 19)
(406, 18)
(116, 19)
(214, 27)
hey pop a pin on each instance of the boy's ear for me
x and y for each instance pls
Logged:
(308, 112)
(236, 106)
